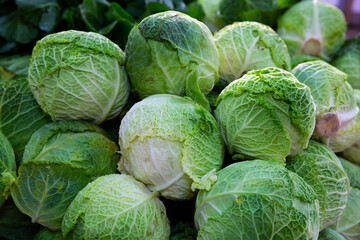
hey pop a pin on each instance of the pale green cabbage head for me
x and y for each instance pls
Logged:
(245, 46)
(322, 170)
(171, 144)
(314, 28)
(170, 52)
(336, 110)
(266, 114)
(59, 160)
(116, 207)
(257, 200)
(79, 76)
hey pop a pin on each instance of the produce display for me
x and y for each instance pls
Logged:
(178, 120)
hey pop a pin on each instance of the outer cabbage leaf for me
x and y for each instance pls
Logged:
(296, 60)
(248, 46)
(266, 114)
(336, 110)
(79, 75)
(257, 200)
(171, 144)
(116, 207)
(59, 160)
(7, 167)
(323, 171)
(46, 234)
(313, 28)
(348, 61)
(20, 114)
(176, 52)
(330, 234)
(18, 65)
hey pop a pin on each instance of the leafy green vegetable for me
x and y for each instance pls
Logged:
(78, 75)
(248, 46)
(46, 234)
(116, 207)
(266, 114)
(257, 200)
(336, 110)
(329, 234)
(322, 170)
(59, 160)
(178, 55)
(171, 144)
(313, 28)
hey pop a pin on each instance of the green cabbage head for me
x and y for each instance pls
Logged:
(170, 52)
(78, 76)
(59, 160)
(322, 170)
(245, 46)
(266, 114)
(313, 28)
(116, 206)
(172, 145)
(257, 200)
(7, 167)
(336, 110)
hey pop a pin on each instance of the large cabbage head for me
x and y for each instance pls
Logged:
(257, 200)
(336, 110)
(348, 61)
(266, 114)
(78, 75)
(59, 160)
(170, 52)
(222, 12)
(322, 170)
(7, 167)
(116, 207)
(245, 46)
(314, 28)
(171, 144)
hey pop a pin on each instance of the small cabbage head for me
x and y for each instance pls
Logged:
(7, 167)
(116, 207)
(78, 75)
(322, 170)
(219, 13)
(336, 110)
(172, 145)
(313, 28)
(349, 222)
(266, 114)
(245, 46)
(47, 234)
(170, 52)
(330, 234)
(348, 61)
(59, 160)
(257, 200)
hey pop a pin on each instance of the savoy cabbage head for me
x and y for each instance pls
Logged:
(78, 75)
(257, 200)
(116, 206)
(59, 160)
(313, 28)
(170, 52)
(171, 144)
(245, 46)
(266, 114)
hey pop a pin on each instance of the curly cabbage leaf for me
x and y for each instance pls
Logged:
(313, 28)
(170, 52)
(266, 114)
(248, 46)
(336, 110)
(79, 76)
(171, 144)
(322, 170)
(257, 200)
(116, 207)
(59, 160)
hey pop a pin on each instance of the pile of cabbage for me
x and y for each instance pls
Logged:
(245, 133)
